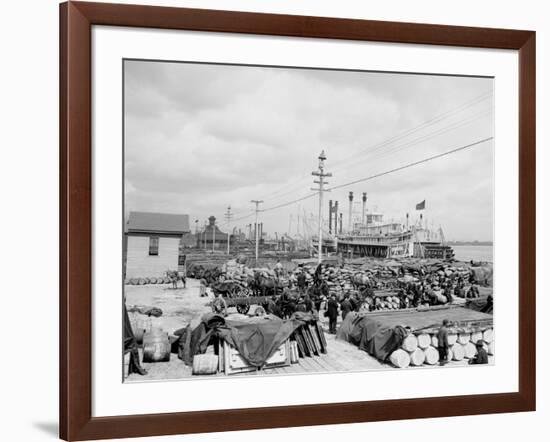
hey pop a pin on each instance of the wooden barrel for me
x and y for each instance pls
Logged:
(452, 338)
(488, 335)
(469, 350)
(140, 324)
(458, 352)
(205, 364)
(156, 346)
(424, 340)
(463, 338)
(431, 356)
(491, 348)
(400, 358)
(476, 336)
(152, 280)
(410, 343)
(417, 357)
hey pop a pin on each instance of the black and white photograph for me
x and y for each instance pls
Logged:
(284, 220)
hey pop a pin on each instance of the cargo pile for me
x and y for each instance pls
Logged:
(421, 348)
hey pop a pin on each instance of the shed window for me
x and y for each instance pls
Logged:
(153, 245)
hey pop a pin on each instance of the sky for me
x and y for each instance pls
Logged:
(202, 137)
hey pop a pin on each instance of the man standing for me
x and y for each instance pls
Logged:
(301, 280)
(345, 306)
(443, 342)
(332, 313)
(481, 357)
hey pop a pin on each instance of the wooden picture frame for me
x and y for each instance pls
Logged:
(76, 21)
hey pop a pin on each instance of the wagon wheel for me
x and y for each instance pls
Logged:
(243, 308)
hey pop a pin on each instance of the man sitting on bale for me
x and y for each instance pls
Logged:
(481, 356)
(219, 306)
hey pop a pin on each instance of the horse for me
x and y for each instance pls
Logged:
(174, 277)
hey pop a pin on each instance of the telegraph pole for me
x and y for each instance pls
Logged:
(321, 174)
(228, 219)
(257, 202)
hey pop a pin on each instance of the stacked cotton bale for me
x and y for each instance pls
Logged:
(422, 348)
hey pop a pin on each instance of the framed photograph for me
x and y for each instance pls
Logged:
(274, 220)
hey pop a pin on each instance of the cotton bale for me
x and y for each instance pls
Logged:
(400, 358)
(463, 338)
(458, 352)
(469, 350)
(410, 343)
(424, 340)
(476, 336)
(452, 338)
(491, 348)
(417, 357)
(435, 341)
(488, 335)
(431, 356)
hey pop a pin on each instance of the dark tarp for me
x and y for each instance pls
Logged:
(256, 338)
(483, 304)
(379, 334)
(130, 345)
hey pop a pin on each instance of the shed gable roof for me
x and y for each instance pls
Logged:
(140, 222)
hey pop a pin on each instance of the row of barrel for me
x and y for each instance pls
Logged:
(417, 350)
(148, 280)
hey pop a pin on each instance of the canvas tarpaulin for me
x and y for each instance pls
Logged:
(380, 334)
(256, 338)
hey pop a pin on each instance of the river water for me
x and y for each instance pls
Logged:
(477, 253)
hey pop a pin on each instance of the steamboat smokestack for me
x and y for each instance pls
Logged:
(364, 208)
(350, 211)
(330, 217)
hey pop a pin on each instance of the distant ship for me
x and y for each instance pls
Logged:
(380, 239)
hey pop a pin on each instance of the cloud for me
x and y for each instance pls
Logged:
(201, 137)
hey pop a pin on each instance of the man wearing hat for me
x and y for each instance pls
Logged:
(481, 356)
(443, 342)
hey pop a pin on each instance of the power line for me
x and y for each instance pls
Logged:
(416, 163)
(290, 202)
(338, 165)
(397, 169)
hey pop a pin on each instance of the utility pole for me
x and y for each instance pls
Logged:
(213, 235)
(321, 174)
(228, 219)
(257, 203)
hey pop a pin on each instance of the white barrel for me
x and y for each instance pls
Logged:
(469, 350)
(417, 357)
(476, 336)
(431, 356)
(458, 352)
(435, 341)
(424, 340)
(205, 364)
(488, 335)
(410, 343)
(463, 338)
(400, 358)
(452, 338)
(491, 348)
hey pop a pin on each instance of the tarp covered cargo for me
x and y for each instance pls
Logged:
(379, 334)
(256, 338)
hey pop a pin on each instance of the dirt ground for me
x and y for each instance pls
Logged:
(182, 306)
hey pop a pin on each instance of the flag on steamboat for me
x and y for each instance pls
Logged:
(421, 206)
